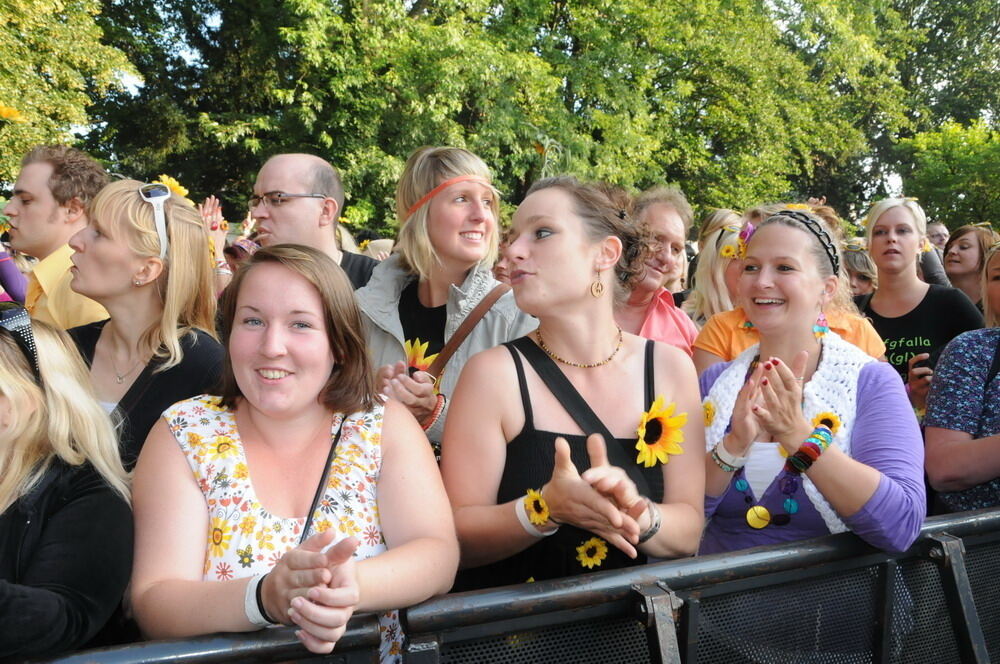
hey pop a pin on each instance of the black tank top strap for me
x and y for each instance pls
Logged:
(561, 388)
(522, 382)
(649, 375)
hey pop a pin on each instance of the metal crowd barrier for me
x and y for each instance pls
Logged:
(828, 600)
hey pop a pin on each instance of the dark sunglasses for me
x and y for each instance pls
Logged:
(15, 320)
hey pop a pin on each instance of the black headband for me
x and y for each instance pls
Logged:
(14, 319)
(816, 228)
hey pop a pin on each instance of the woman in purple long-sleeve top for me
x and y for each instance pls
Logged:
(806, 435)
(11, 279)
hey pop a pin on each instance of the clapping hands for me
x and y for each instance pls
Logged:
(772, 400)
(315, 591)
(602, 500)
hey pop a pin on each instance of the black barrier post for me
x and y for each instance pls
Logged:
(949, 552)
(885, 604)
(690, 621)
(657, 604)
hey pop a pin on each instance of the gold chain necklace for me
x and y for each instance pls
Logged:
(541, 343)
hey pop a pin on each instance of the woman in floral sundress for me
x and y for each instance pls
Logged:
(298, 411)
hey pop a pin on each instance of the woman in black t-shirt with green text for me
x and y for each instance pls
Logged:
(914, 319)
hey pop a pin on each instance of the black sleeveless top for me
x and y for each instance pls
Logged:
(530, 459)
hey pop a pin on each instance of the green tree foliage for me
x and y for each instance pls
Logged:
(52, 65)
(738, 101)
(955, 173)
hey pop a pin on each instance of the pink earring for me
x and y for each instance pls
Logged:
(821, 327)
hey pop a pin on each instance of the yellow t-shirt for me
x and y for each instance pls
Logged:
(726, 336)
(50, 299)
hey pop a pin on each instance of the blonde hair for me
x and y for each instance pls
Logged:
(991, 310)
(427, 168)
(886, 204)
(857, 258)
(186, 283)
(710, 295)
(713, 221)
(59, 419)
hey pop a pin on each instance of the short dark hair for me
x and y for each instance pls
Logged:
(326, 180)
(351, 385)
(75, 174)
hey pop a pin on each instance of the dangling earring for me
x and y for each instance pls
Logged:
(597, 288)
(821, 327)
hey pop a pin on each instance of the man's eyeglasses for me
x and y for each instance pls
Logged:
(276, 198)
(155, 194)
(15, 320)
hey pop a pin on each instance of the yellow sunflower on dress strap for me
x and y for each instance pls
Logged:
(660, 433)
(592, 552)
(827, 419)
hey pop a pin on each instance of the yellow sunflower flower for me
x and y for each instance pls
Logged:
(223, 447)
(709, 409)
(829, 420)
(415, 354)
(218, 536)
(10, 114)
(799, 206)
(173, 185)
(728, 251)
(592, 552)
(660, 433)
(538, 510)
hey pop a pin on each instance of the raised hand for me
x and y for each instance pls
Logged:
(919, 380)
(571, 499)
(610, 481)
(323, 612)
(781, 393)
(416, 392)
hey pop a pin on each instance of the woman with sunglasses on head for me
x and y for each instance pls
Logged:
(806, 433)
(65, 522)
(729, 333)
(144, 256)
(965, 256)
(439, 274)
(963, 417)
(239, 498)
(565, 449)
(915, 319)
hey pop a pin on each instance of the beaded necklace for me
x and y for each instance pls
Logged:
(541, 344)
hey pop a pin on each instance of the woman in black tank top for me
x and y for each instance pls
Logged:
(565, 451)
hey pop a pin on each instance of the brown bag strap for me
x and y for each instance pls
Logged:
(437, 366)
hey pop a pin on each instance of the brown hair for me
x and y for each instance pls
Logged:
(986, 237)
(75, 174)
(602, 217)
(671, 196)
(351, 385)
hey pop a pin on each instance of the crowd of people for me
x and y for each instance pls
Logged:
(209, 431)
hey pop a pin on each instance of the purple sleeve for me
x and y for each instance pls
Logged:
(886, 437)
(11, 278)
(705, 381)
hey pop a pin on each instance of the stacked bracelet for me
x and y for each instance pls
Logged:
(810, 450)
(532, 512)
(654, 523)
(253, 603)
(729, 463)
(435, 414)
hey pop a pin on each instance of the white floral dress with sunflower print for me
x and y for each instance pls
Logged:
(243, 538)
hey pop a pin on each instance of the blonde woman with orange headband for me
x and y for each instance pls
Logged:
(448, 211)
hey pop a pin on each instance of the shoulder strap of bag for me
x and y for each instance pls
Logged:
(437, 366)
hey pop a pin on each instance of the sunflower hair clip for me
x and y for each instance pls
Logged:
(744, 238)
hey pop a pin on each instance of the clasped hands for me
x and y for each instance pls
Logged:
(416, 392)
(602, 499)
(771, 401)
(315, 591)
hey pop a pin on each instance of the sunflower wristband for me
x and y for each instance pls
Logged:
(533, 513)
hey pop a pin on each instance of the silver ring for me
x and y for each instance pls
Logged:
(800, 378)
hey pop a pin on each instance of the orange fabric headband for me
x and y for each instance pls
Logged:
(447, 183)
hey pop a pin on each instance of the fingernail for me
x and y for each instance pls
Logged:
(764, 382)
(754, 409)
(776, 361)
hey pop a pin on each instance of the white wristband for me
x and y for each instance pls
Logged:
(530, 528)
(250, 603)
(728, 458)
